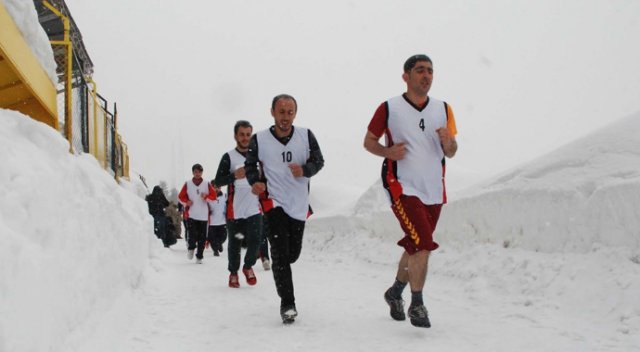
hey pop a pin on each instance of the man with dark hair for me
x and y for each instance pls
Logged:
(194, 194)
(244, 215)
(288, 157)
(420, 132)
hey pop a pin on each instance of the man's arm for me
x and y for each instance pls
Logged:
(224, 176)
(375, 131)
(316, 161)
(373, 146)
(251, 162)
(448, 142)
(183, 196)
(212, 195)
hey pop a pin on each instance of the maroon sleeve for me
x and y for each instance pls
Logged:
(378, 123)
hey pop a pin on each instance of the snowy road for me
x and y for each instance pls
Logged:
(480, 299)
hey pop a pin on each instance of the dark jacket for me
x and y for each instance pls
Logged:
(157, 202)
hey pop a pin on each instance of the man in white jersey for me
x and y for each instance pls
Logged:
(195, 193)
(217, 233)
(244, 215)
(288, 156)
(419, 131)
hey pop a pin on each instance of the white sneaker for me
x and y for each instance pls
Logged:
(266, 265)
(190, 254)
(198, 261)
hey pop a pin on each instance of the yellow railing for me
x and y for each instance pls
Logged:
(68, 71)
(25, 86)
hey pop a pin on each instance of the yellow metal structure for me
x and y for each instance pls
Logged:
(24, 85)
(68, 72)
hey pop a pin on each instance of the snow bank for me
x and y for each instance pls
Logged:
(72, 239)
(25, 16)
(582, 195)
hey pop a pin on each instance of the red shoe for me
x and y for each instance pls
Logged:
(251, 277)
(233, 281)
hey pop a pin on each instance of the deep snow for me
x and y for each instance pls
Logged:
(82, 270)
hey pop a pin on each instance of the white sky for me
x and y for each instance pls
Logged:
(523, 78)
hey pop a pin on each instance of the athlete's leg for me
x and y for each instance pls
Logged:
(253, 233)
(417, 269)
(233, 248)
(403, 268)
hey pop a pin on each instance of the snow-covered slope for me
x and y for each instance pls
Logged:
(72, 240)
(581, 196)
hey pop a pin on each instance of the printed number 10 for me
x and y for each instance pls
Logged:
(286, 157)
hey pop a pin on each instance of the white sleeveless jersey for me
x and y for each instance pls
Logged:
(218, 211)
(284, 190)
(199, 210)
(421, 172)
(242, 203)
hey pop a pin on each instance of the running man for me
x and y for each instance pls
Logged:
(244, 215)
(419, 131)
(289, 156)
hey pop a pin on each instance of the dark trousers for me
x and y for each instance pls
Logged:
(263, 251)
(251, 230)
(160, 226)
(216, 236)
(285, 237)
(197, 236)
(186, 231)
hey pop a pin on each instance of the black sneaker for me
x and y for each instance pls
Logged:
(396, 306)
(288, 314)
(419, 316)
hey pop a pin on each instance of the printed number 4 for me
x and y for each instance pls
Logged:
(421, 124)
(287, 157)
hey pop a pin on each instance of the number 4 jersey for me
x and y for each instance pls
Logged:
(421, 172)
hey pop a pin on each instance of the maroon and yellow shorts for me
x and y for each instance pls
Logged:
(418, 221)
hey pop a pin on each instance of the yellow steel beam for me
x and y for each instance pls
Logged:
(68, 94)
(94, 98)
(19, 64)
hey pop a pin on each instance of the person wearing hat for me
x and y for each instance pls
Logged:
(194, 194)
(420, 132)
